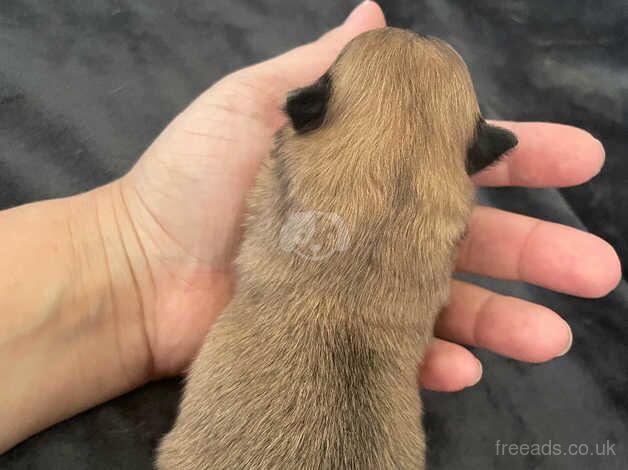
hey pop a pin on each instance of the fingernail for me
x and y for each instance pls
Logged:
(356, 11)
(569, 343)
(603, 159)
(479, 375)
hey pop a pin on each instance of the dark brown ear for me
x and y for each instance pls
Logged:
(491, 143)
(306, 106)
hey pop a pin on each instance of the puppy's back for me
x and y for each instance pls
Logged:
(294, 396)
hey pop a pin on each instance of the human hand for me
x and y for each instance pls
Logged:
(185, 201)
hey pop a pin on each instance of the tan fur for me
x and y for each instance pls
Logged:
(313, 365)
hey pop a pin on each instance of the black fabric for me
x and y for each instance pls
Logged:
(86, 85)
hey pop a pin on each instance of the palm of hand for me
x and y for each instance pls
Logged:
(186, 200)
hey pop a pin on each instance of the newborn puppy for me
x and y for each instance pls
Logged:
(346, 262)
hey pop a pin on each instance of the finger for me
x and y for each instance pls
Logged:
(547, 155)
(505, 325)
(266, 84)
(515, 247)
(449, 367)
(240, 113)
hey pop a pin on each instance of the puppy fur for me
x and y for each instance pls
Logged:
(313, 365)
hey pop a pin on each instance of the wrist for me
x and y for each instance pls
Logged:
(112, 286)
(72, 333)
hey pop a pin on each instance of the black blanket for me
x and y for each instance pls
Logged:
(85, 86)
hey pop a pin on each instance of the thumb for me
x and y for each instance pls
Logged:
(245, 106)
(272, 79)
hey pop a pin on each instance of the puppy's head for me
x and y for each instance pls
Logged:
(402, 98)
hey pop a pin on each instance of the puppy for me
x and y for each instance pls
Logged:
(346, 262)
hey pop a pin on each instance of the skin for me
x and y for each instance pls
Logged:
(136, 274)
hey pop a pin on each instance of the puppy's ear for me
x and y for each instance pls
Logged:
(491, 143)
(306, 106)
